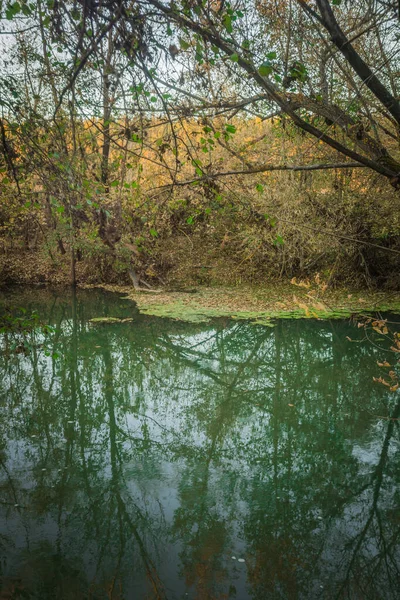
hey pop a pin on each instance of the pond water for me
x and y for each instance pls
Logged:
(153, 459)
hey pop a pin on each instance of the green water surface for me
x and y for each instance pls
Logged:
(153, 459)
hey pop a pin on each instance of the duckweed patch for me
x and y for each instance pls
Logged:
(261, 305)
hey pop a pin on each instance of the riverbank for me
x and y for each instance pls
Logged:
(258, 304)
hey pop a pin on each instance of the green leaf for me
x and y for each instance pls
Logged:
(278, 241)
(153, 233)
(271, 55)
(12, 10)
(230, 128)
(259, 188)
(184, 45)
(26, 10)
(299, 71)
(265, 69)
(227, 21)
(234, 57)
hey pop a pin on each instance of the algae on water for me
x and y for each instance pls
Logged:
(261, 305)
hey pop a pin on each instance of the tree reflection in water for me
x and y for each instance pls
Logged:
(150, 453)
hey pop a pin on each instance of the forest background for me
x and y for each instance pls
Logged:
(200, 142)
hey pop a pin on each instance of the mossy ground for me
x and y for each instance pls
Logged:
(260, 304)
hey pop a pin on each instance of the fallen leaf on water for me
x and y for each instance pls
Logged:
(290, 404)
(379, 323)
(381, 380)
(394, 387)
(383, 364)
(378, 330)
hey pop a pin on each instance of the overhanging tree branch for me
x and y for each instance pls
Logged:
(389, 168)
(354, 59)
(266, 168)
